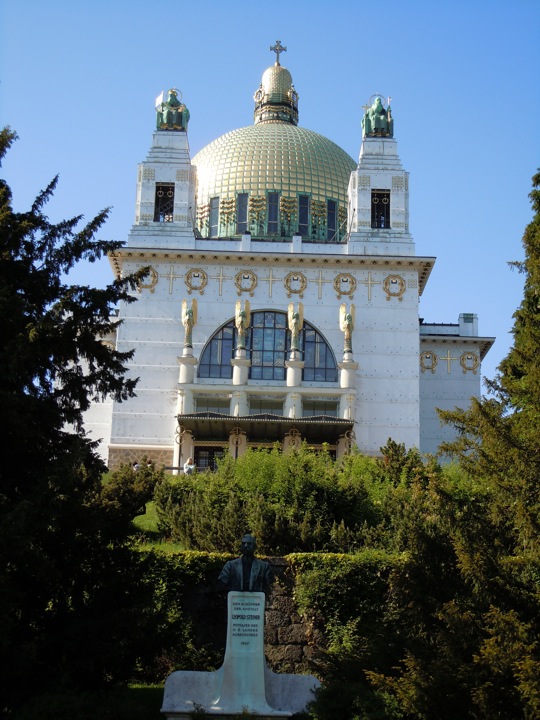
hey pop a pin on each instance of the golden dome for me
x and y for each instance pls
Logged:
(273, 162)
(277, 83)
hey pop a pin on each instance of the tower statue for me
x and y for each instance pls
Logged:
(377, 122)
(189, 319)
(172, 114)
(346, 325)
(296, 322)
(241, 320)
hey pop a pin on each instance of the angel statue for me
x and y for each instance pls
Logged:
(241, 321)
(346, 325)
(296, 322)
(189, 319)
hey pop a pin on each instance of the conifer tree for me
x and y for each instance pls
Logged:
(466, 604)
(499, 435)
(62, 547)
(497, 548)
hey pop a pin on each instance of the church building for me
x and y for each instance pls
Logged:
(282, 303)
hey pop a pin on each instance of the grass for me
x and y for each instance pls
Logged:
(149, 536)
(148, 523)
(160, 545)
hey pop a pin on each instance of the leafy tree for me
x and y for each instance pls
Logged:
(66, 603)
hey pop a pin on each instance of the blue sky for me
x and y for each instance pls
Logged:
(79, 79)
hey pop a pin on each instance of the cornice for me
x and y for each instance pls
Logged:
(482, 343)
(423, 265)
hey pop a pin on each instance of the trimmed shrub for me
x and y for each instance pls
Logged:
(302, 502)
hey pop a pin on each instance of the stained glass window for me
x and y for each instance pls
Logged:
(267, 346)
(212, 404)
(217, 355)
(260, 406)
(331, 220)
(303, 214)
(312, 407)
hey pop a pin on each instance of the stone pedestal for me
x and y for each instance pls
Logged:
(347, 405)
(348, 368)
(293, 405)
(241, 366)
(294, 367)
(239, 403)
(243, 683)
(187, 367)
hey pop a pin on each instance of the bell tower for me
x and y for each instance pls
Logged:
(379, 188)
(165, 205)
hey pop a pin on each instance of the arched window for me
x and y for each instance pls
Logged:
(217, 355)
(268, 344)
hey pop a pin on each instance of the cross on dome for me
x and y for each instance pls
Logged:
(278, 48)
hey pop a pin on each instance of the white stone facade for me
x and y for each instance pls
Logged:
(399, 370)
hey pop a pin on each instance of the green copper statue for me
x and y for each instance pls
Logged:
(378, 122)
(172, 114)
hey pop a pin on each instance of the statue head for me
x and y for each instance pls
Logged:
(248, 545)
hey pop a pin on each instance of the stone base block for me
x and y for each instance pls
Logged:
(188, 691)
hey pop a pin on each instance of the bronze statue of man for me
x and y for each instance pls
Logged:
(247, 573)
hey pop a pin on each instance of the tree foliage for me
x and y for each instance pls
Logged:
(469, 604)
(460, 623)
(66, 574)
(499, 436)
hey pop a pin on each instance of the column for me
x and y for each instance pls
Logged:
(293, 405)
(239, 403)
(294, 369)
(187, 366)
(241, 366)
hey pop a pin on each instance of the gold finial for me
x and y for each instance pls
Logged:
(278, 48)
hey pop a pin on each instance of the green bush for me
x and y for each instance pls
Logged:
(182, 596)
(301, 502)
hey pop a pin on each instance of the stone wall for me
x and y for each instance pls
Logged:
(290, 640)
(129, 455)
